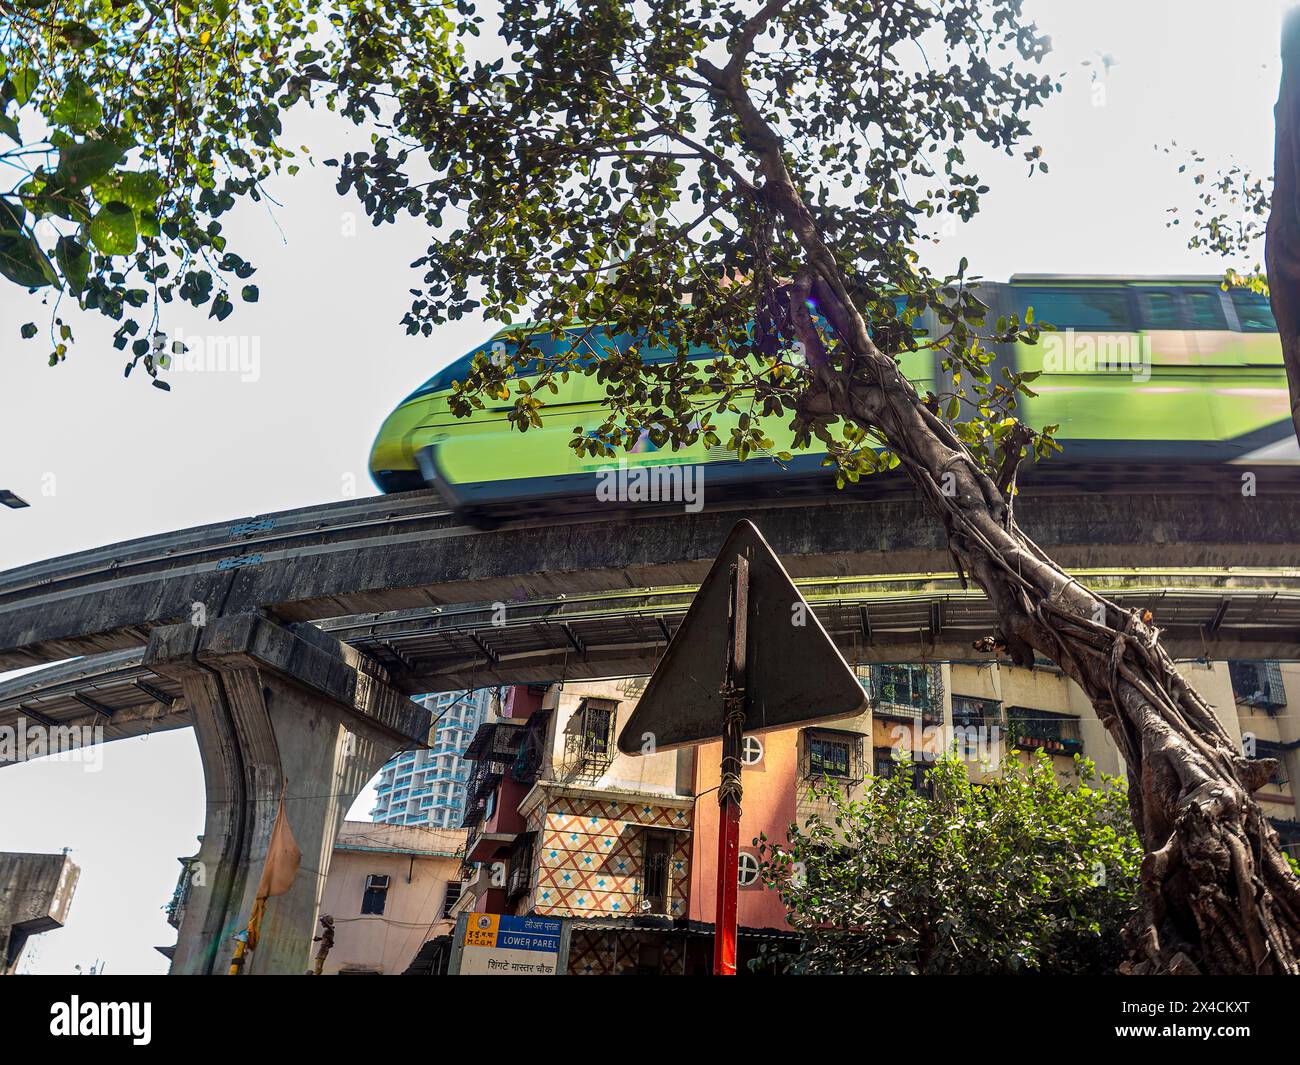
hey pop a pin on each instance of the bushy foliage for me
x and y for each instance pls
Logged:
(1023, 873)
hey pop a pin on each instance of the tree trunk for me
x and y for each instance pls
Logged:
(1282, 236)
(1217, 894)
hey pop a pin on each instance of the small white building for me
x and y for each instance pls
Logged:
(389, 890)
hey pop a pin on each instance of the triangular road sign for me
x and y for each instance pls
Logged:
(795, 673)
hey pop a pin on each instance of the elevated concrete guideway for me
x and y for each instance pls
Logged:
(405, 552)
(1245, 613)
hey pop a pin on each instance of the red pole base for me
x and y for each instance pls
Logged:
(724, 924)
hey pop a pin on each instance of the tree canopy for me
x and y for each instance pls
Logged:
(751, 178)
(1023, 873)
(600, 173)
(129, 129)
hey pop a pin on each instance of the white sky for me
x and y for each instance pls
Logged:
(102, 459)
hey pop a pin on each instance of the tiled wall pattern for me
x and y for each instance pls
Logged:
(610, 952)
(590, 856)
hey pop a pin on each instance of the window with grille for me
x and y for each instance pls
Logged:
(658, 848)
(831, 754)
(1258, 684)
(454, 888)
(904, 690)
(521, 866)
(589, 737)
(597, 729)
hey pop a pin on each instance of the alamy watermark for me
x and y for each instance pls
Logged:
(25, 740)
(1123, 353)
(978, 744)
(199, 353)
(652, 484)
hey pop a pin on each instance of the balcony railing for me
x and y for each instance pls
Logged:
(1040, 730)
(1258, 684)
(904, 692)
(532, 750)
(493, 751)
(971, 712)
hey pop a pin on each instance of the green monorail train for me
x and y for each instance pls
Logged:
(1166, 374)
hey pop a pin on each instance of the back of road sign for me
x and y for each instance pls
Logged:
(795, 673)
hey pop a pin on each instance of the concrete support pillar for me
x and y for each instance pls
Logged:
(278, 712)
(35, 893)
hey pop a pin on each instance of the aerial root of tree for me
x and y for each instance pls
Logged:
(1217, 894)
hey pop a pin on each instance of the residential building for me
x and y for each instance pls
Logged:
(562, 825)
(427, 787)
(389, 890)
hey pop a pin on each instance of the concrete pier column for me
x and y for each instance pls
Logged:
(35, 893)
(278, 712)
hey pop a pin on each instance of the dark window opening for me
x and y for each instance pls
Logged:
(889, 762)
(1033, 729)
(658, 849)
(454, 888)
(521, 867)
(597, 730)
(828, 758)
(1258, 684)
(376, 894)
(968, 711)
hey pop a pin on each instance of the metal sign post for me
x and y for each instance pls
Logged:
(750, 656)
(730, 791)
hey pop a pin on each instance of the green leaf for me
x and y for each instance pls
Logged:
(78, 35)
(28, 330)
(74, 262)
(112, 230)
(221, 307)
(79, 109)
(82, 163)
(21, 258)
(249, 293)
(24, 82)
(138, 189)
